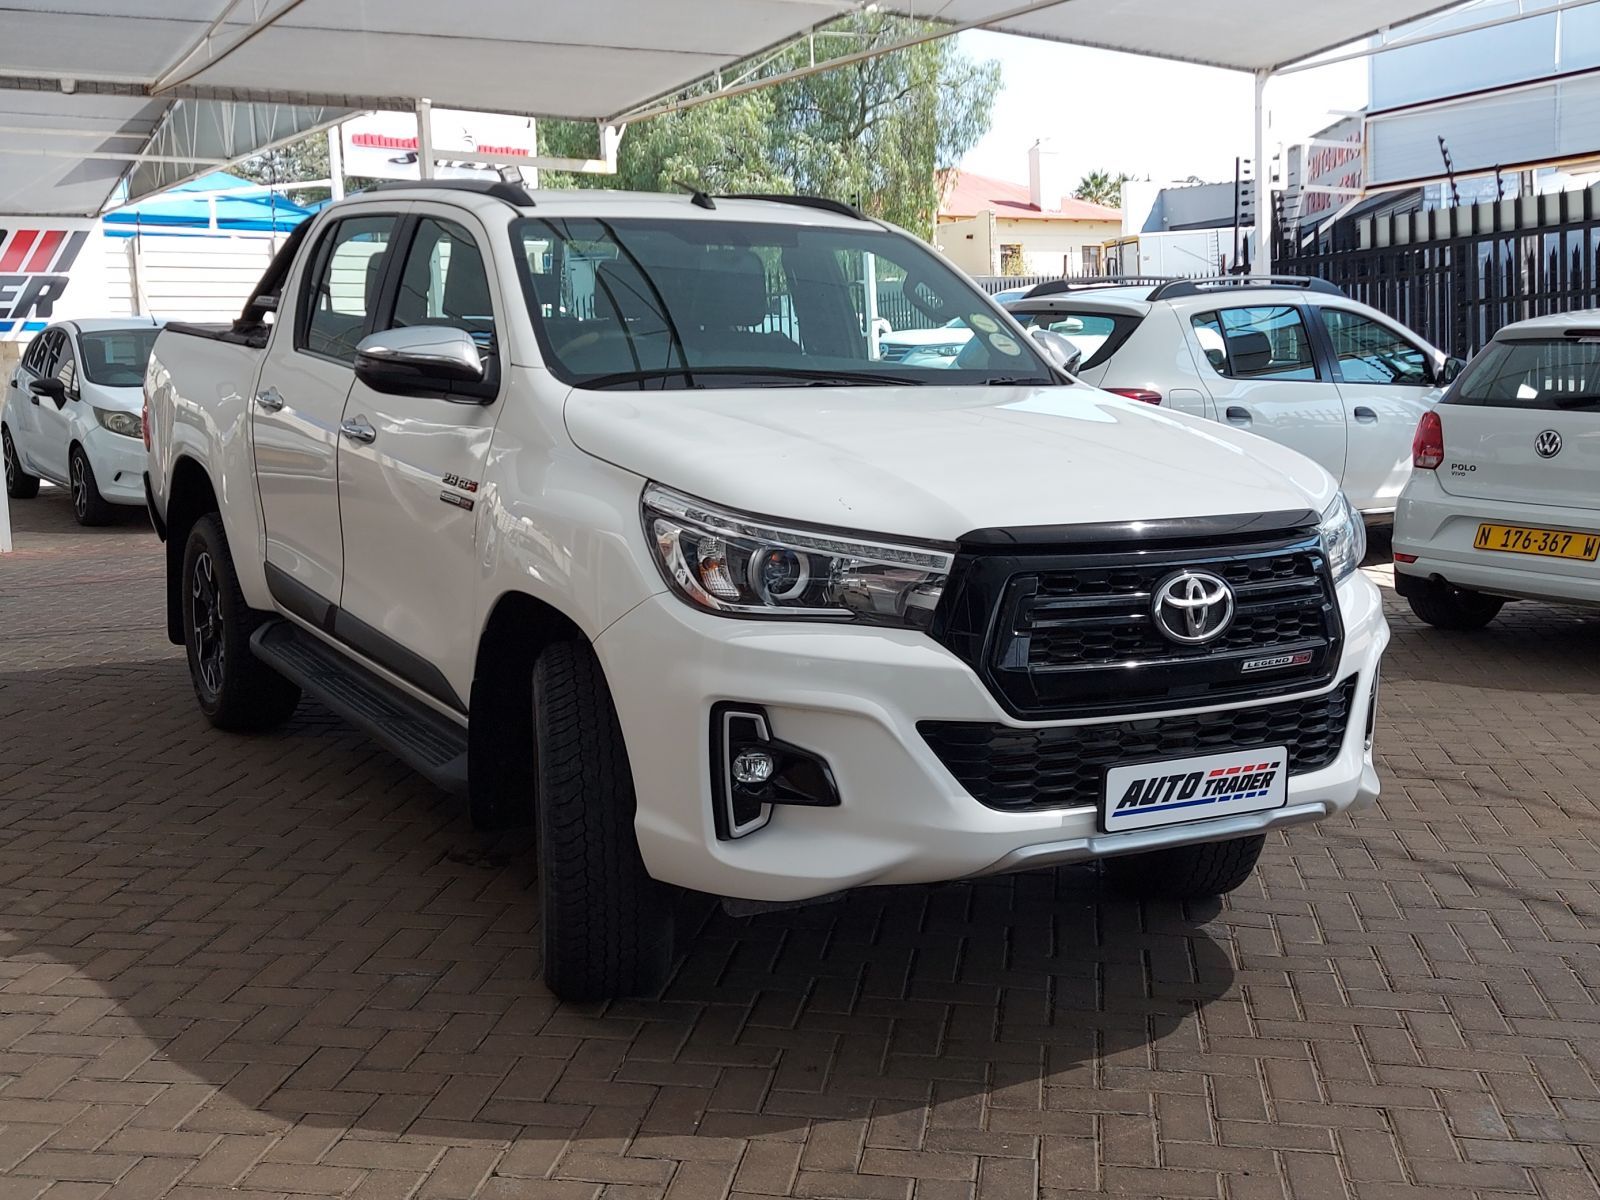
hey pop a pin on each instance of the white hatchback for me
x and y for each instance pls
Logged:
(1292, 360)
(1504, 502)
(71, 414)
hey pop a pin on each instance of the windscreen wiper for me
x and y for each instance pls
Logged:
(798, 376)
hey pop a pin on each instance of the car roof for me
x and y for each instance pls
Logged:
(603, 202)
(1102, 300)
(108, 324)
(1586, 320)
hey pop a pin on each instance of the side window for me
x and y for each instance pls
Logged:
(342, 286)
(33, 360)
(1263, 342)
(1372, 353)
(443, 282)
(66, 366)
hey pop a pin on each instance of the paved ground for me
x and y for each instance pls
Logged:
(261, 967)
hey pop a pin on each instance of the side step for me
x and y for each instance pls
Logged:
(430, 744)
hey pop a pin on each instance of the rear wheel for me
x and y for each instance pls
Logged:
(1187, 872)
(19, 484)
(88, 505)
(236, 690)
(607, 924)
(1446, 607)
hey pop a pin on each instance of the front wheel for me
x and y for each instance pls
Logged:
(1187, 872)
(236, 690)
(88, 505)
(19, 484)
(607, 924)
(1447, 607)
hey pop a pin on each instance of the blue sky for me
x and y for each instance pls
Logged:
(1146, 117)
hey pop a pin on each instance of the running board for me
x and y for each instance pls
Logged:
(430, 744)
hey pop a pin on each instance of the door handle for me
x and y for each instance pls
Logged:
(269, 399)
(358, 430)
(1237, 415)
(1365, 415)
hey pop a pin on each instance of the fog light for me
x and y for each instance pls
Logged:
(753, 767)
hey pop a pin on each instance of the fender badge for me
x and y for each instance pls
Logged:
(458, 500)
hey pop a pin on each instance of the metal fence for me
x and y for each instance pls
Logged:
(1457, 275)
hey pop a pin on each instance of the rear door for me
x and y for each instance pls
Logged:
(1522, 424)
(299, 399)
(1385, 379)
(1265, 378)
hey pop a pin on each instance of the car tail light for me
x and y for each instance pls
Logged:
(1427, 448)
(1142, 395)
(144, 425)
(1405, 558)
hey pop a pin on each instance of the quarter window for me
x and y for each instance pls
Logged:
(1260, 342)
(1372, 353)
(345, 277)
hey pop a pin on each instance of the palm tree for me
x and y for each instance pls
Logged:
(1101, 187)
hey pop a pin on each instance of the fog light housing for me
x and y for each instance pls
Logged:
(752, 771)
(1372, 711)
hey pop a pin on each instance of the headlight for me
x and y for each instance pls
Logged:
(738, 565)
(1344, 537)
(126, 423)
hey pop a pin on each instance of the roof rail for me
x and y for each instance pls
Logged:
(1056, 287)
(818, 202)
(500, 189)
(1199, 287)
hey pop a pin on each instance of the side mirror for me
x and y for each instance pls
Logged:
(1059, 350)
(1445, 373)
(425, 360)
(50, 387)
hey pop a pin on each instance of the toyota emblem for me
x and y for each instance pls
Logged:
(1547, 444)
(1193, 607)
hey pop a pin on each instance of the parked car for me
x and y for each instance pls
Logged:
(71, 414)
(724, 609)
(1292, 360)
(935, 347)
(1504, 501)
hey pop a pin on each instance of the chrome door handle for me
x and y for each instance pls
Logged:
(358, 430)
(1237, 415)
(1365, 415)
(269, 399)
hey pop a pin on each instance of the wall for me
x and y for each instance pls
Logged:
(184, 277)
(1046, 243)
(970, 244)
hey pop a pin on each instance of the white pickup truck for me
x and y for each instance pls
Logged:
(602, 509)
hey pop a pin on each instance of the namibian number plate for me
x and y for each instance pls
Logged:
(1548, 543)
(1195, 789)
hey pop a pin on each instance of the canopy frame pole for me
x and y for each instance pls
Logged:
(425, 138)
(1261, 260)
(5, 523)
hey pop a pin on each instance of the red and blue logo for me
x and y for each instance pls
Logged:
(34, 266)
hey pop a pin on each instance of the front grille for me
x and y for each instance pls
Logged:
(1056, 634)
(890, 352)
(1023, 770)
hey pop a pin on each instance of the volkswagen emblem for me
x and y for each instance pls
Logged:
(1547, 444)
(1193, 607)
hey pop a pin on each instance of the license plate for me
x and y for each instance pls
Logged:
(1195, 789)
(1547, 543)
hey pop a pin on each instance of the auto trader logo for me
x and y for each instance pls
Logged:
(33, 273)
(1190, 789)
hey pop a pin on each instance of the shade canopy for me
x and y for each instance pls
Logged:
(182, 86)
(226, 203)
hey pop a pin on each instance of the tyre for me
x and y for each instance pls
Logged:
(1187, 872)
(19, 484)
(236, 690)
(88, 505)
(1446, 607)
(607, 924)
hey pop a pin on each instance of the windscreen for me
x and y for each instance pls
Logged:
(1548, 373)
(117, 357)
(706, 303)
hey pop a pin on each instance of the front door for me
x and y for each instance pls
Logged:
(1385, 380)
(410, 469)
(1265, 379)
(297, 406)
(22, 406)
(53, 428)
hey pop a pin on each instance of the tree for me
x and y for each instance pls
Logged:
(1101, 187)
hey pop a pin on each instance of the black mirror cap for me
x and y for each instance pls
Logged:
(399, 378)
(50, 387)
(1448, 370)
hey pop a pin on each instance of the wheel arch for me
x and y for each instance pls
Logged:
(190, 496)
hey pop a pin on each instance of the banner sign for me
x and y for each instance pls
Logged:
(384, 145)
(1326, 172)
(50, 269)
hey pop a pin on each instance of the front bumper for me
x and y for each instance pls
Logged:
(855, 697)
(118, 462)
(1438, 528)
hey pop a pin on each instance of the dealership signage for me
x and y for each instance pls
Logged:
(385, 146)
(49, 269)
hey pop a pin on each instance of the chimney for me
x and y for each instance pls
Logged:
(1047, 180)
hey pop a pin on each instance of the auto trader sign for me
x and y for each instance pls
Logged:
(49, 269)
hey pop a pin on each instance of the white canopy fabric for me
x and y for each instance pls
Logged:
(85, 83)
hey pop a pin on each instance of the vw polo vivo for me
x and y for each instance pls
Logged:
(607, 510)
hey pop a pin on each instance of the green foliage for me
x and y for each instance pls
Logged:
(1011, 260)
(1101, 187)
(882, 133)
